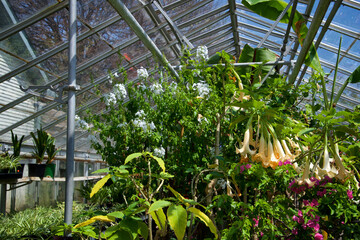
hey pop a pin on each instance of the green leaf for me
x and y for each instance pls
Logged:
(271, 9)
(159, 218)
(241, 118)
(355, 76)
(166, 175)
(178, 196)
(116, 214)
(203, 217)
(177, 217)
(160, 162)
(103, 170)
(99, 185)
(158, 205)
(305, 131)
(121, 234)
(143, 230)
(132, 156)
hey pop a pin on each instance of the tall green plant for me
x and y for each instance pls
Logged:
(51, 149)
(40, 142)
(16, 144)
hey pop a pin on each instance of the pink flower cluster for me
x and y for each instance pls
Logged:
(243, 167)
(286, 162)
(350, 194)
(301, 188)
(256, 221)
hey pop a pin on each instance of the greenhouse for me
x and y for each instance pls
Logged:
(180, 119)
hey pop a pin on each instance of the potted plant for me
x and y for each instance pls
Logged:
(40, 143)
(16, 144)
(51, 151)
(10, 167)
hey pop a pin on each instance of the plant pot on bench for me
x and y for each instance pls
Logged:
(36, 170)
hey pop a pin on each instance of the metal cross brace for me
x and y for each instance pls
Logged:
(59, 91)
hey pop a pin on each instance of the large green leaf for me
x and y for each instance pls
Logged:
(203, 217)
(249, 54)
(132, 156)
(178, 196)
(355, 76)
(177, 217)
(121, 234)
(99, 185)
(159, 204)
(160, 162)
(159, 218)
(271, 9)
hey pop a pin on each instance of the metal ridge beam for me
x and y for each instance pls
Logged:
(33, 19)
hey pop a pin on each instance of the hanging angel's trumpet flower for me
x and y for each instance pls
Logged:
(326, 163)
(261, 156)
(278, 150)
(305, 177)
(271, 160)
(288, 154)
(327, 169)
(246, 147)
(342, 172)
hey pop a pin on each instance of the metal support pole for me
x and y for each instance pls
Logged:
(321, 35)
(3, 199)
(314, 27)
(71, 115)
(124, 12)
(13, 197)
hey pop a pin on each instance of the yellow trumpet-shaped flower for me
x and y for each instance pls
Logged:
(326, 164)
(288, 154)
(278, 150)
(305, 177)
(342, 172)
(271, 160)
(246, 144)
(261, 156)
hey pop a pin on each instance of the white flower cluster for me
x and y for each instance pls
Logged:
(141, 123)
(81, 123)
(110, 98)
(156, 88)
(173, 86)
(120, 91)
(142, 73)
(202, 88)
(202, 53)
(142, 86)
(159, 152)
(122, 125)
(222, 183)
